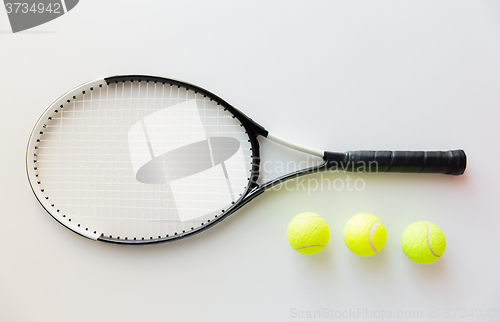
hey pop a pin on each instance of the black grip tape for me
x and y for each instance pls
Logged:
(446, 162)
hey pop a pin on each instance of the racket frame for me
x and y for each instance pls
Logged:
(252, 129)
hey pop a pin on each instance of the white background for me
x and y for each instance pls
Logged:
(421, 75)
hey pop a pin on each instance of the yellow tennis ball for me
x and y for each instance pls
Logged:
(423, 242)
(365, 235)
(308, 233)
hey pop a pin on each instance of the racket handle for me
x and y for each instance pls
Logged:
(446, 162)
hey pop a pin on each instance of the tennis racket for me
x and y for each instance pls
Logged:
(142, 159)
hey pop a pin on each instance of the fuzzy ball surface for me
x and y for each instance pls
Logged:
(423, 242)
(365, 235)
(308, 233)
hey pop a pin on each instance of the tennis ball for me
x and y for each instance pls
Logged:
(423, 242)
(365, 235)
(308, 233)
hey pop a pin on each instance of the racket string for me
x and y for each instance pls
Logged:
(87, 161)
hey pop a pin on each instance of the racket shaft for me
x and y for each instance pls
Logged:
(445, 162)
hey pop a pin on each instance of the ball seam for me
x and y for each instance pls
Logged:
(309, 246)
(429, 240)
(370, 235)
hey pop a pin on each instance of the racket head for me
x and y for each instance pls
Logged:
(142, 159)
